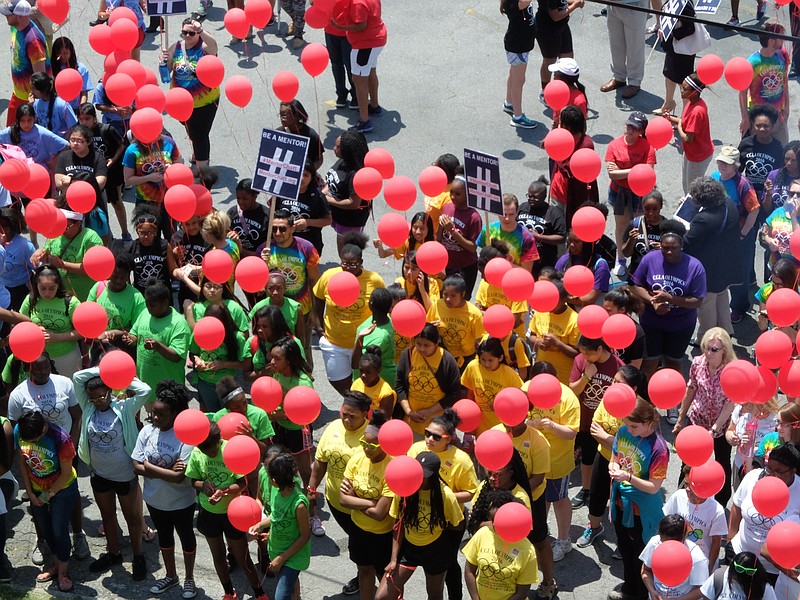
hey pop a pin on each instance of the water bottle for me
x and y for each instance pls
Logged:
(163, 70)
(748, 448)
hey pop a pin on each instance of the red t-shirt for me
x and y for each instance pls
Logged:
(339, 7)
(358, 11)
(561, 172)
(626, 157)
(694, 119)
(576, 97)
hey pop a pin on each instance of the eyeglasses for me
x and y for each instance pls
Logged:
(775, 472)
(279, 229)
(436, 436)
(77, 140)
(714, 349)
(189, 33)
(742, 569)
(368, 445)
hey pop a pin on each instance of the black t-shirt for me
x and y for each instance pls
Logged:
(310, 204)
(544, 220)
(88, 168)
(758, 160)
(636, 350)
(150, 262)
(340, 185)
(194, 249)
(641, 247)
(107, 140)
(543, 19)
(315, 148)
(253, 231)
(521, 33)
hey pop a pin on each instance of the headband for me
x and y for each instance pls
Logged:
(72, 215)
(372, 430)
(691, 83)
(460, 178)
(232, 394)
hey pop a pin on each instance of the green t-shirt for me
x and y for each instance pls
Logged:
(288, 383)
(383, 337)
(290, 311)
(54, 315)
(123, 308)
(8, 377)
(73, 251)
(212, 468)
(261, 355)
(258, 419)
(220, 353)
(173, 332)
(237, 313)
(284, 529)
(265, 487)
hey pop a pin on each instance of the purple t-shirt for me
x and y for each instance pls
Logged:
(602, 274)
(687, 279)
(469, 223)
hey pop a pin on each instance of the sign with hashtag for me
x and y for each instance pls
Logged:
(708, 7)
(279, 168)
(667, 24)
(165, 8)
(482, 172)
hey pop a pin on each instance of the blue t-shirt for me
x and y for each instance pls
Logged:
(86, 87)
(38, 143)
(5, 297)
(61, 118)
(17, 268)
(134, 5)
(99, 97)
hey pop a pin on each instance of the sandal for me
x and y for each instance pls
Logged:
(46, 575)
(65, 583)
(148, 534)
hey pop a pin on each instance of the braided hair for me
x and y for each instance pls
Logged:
(409, 507)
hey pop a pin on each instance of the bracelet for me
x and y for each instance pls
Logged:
(584, 376)
(630, 477)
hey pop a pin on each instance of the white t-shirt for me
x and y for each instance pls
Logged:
(785, 588)
(697, 576)
(706, 519)
(54, 399)
(754, 527)
(765, 426)
(731, 590)
(107, 447)
(163, 449)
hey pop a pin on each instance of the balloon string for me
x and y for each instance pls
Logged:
(316, 100)
(235, 138)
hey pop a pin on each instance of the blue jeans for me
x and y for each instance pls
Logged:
(741, 298)
(53, 520)
(286, 580)
(339, 50)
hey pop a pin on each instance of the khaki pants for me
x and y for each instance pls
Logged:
(692, 170)
(714, 312)
(626, 36)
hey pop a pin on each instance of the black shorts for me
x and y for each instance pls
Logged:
(588, 446)
(434, 558)
(669, 344)
(293, 439)
(213, 525)
(554, 41)
(539, 513)
(623, 200)
(101, 485)
(370, 549)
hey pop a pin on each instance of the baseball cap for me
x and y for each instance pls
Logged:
(728, 154)
(637, 120)
(21, 8)
(567, 66)
(430, 464)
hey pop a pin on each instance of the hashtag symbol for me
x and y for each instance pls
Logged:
(483, 188)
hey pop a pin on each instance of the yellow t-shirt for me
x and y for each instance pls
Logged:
(567, 412)
(369, 482)
(457, 469)
(423, 389)
(534, 449)
(377, 392)
(565, 328)
(460, 327)
(517, 492)
(434, 206)
(400, 343)
(501, 566)
(485, 385)
(453, 514)
(335, 448)
(519, 350)
(341, 322)
(610, 425)
(434, 289)
(489, 295)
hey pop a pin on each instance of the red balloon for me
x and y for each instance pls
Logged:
(619, 331)
(112, 61)
(783, 307)
(619, 400)
(545, 296)
(39, 214)
(315, 18)
(559, 144)
(134, 70)
(146, 125)
(432, 257)
(58, 226)
(81, 196)
(659, 132)
(642, 179)
(666, 388)
(496, 269)
(585, 165)
(258, 13)
(38, 185)
(191, 426)
(739, 73)
(204, 201)
(773, 348)
(150, 96)
(218, 266)
(266, 393)
(400, 192)
(544, 391)
(789, 378)
(408, 317)
(381, 160)
(302, 405)
(244, 512)
(117, 369)
(498, 320)
(393, 229)
(178, 174)
(513, 522)
(180, 202)
(672, 563)
(794, 246)
(518, 284)
(241, 454)
(694, 445)
(494, 449)
(395, 437)
(69, 84)
(707, 480)
(591, 320)
(470, 414)
(770, 496)
(179, 102)
(782, 544)
(101, 39)
(344, 288)
(511, 406)
(229, 424)
(237, 24)
(125, 35)
(239, 90)
(14, 174)
(710, 68)
(578, 280)
(122, 12)
(738, 379)
(767, 386)
(55, 10)
(285, 85)
(209, 333)
(432, 181)
(403, 475)
(315, 59)
(589, 224)
(556, 94)
(26, 341)
(367, 183)
(252, 274)
(90, 320)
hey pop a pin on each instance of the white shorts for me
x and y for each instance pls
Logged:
(364, 60)
(336, 359)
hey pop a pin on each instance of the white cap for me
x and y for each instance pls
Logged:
(567, 66)
(21, 8)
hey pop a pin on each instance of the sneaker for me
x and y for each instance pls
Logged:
(736, 316)
(580, 499)
(189, 589)
(162, 585)
(590, 534)
(541, 98)
(672, 415)
(547, 590)
(233, 596)
(80, 547)
(732, 22)
(139, 568)
(522, 122)
(362, 126)
(105, 562)
(317, 528)
(354, 102)
(298, 42)
(621, 268)
(40, 550)
(604, 11)
(351, 587)
(560, 549)
(508, 108)
(620, 595)
(616, 555)
(761, 10)
(342, 102)
(375, 110)
(206, 4)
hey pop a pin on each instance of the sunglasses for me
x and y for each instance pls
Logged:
(189, 33)
(279, 229)
(368, 445)
(742, 569)
(146, 219)
(352, 265)
(436, 436)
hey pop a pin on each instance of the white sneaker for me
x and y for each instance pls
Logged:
(316, 526)
(621, 268)
(80, 547)
(39, 552)
(672, 415)
(560, 549)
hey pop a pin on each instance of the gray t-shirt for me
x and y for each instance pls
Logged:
(107, 447)
(163, 449)
(53, 399)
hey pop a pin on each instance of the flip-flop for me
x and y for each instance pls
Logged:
(65, 584)
(46, 575)
(148, 535)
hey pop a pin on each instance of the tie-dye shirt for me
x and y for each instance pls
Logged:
(28, 48)
(769, 79)
(646, 458)
(779, 227)
(184, 65)
(294, 262)
(768, 444)
(43, 457)
(520, 241)
(146, 159)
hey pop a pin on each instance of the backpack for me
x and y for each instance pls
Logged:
(512, 353)
(719, 581)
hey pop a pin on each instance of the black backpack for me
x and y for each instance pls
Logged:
(512, 353)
